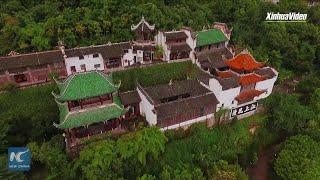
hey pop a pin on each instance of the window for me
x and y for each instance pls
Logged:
(233, 102)
(201, 111)
(73, 69)
(81, 57)
(20, 78)
(96, 66)
(209, 47)
(125, 51)
(95, 55)
(83, 67)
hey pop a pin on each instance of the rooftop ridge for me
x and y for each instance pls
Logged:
(184, 99)
(29, 54)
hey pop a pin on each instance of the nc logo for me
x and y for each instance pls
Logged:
(19, 159)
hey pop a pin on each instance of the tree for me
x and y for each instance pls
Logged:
(221, 170)
(53, 156)
(159, 52)
(98, 161)
(141, 144)
(299, 159)
(287, 114)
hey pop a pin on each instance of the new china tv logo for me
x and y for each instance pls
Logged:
(19, 159)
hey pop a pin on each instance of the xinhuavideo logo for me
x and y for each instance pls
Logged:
(19, 159)
(286, 17)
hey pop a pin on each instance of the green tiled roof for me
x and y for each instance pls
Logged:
(211, 36)
(85, 85)
(89, 116)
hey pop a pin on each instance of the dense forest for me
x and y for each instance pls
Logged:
(290, 122)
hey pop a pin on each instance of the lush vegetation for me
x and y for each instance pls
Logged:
(156, 74)
(299, 159)
(26, 116)
(198, 153)
(38, 25)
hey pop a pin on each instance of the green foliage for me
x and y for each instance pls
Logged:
(185, 172)
(148, 141)
(35, 26)
(159, 51)
(205, 146)
(53, 75)
(28, 115)
(152, 75)
(98, 161)
(308, 84)
(287, 114)
(223, 170)
(147, 177)
(9, 87)
(299, 159)
(8, 175)
(110, 159)
(52, 155)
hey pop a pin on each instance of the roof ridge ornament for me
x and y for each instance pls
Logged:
(142, 22)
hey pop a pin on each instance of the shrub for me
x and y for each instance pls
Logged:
(9, 87)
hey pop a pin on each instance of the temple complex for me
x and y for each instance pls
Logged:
(89, 101)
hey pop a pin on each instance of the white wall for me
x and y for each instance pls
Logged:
(146, 109)
(191, 42)
(88, 61)
(266, 85)
(139, 55)
(128, 58)
(225, 97)
(161, 40)
(186, 123)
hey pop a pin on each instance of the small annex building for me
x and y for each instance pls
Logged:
(177, 104)
(89, 104)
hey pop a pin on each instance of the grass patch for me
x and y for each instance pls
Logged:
(155, 74)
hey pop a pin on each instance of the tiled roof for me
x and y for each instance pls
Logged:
(204, 77)
(176, 108)
(248, 95)
(225, 74)
(30, 60)
(250, 79)
(175, 35)
(214, 58)
(180, 47)
(88, 116)
(131, 97)
(243, 62)
(228, 83)
(211, 36)
(115, 50)
(148, 47)
(266, 72)
(191, 87)
(85, 85)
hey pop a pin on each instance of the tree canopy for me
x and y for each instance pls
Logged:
(299, 159)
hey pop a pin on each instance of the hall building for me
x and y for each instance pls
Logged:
(89, 104)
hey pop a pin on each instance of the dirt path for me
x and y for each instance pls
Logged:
(261, 170)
